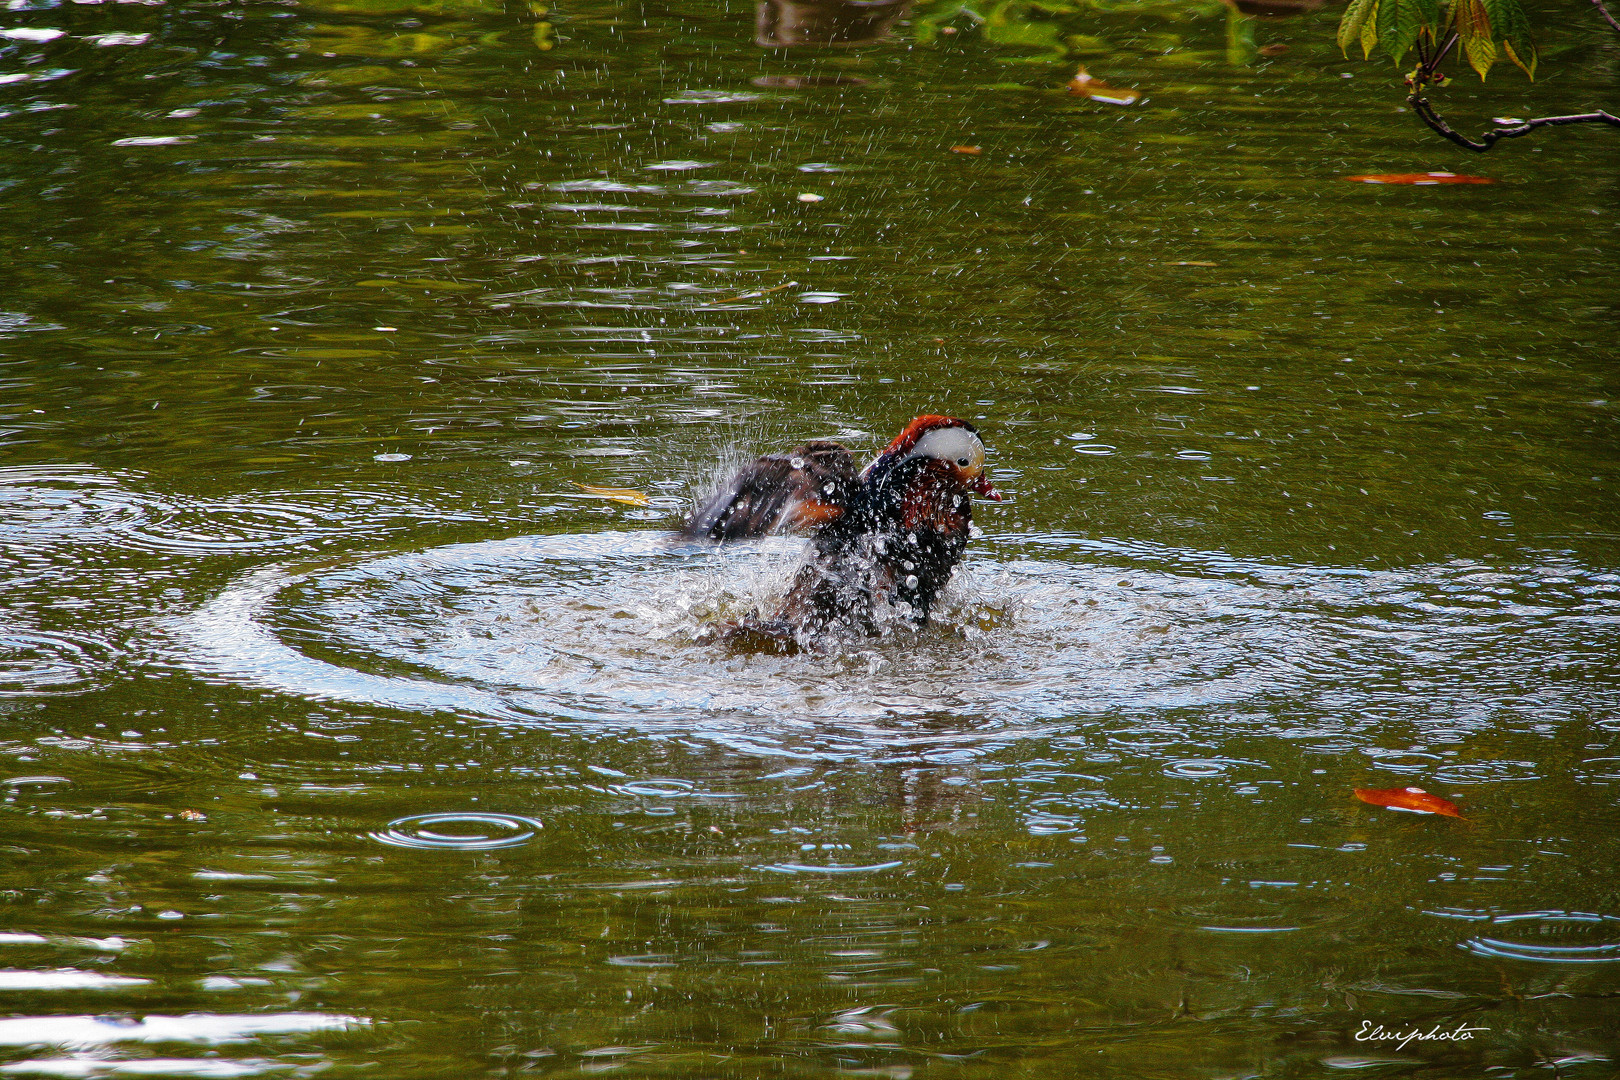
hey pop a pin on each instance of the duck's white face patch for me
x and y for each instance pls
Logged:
(959, 446)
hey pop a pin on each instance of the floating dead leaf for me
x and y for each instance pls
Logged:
(1420, 179)
(1084, 85)
(1409, 798)
(966, 150)
(1193, 262)
(752, 293)
(629, 496)
(1275, 49)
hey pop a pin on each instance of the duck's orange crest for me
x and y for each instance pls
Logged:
(918, 428)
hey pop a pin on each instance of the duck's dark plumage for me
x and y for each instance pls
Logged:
(788, 492)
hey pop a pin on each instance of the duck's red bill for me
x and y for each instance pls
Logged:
(982, 486)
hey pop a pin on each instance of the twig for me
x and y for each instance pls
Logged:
(1425, 111)
(1606, 16)
(1450, 43)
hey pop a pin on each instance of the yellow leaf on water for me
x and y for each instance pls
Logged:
(629, 496)
(1085, 85)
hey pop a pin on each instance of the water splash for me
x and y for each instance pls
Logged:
(607, 630)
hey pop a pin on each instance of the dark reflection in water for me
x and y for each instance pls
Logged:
(781, 24)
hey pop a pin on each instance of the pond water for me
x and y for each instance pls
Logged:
(345, 733)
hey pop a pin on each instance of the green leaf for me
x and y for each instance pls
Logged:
(1401, 21)
(1481, 54)
(1359, 15)
(1530, 68)
(1474, 27)
(1512, 29)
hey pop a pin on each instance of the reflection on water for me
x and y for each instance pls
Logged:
(91, 1030)
(782, 24)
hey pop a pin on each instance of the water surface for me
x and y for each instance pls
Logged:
(344, 732)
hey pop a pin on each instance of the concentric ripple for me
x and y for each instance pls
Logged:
(1560, 937)
(459, 832)
(1266, 908)
(608, 629)
(77, 505)
(50, 662)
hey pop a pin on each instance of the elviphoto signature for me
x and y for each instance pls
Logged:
(1371, 1032)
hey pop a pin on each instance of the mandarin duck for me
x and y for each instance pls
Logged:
(885, 537)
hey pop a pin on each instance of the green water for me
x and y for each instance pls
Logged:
(314, 317)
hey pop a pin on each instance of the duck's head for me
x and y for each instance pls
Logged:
(952, 445)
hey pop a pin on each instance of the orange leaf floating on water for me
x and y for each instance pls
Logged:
(624, 495)
(1085, 86)
(1421, 179)
(966, 150)
(1408, 798)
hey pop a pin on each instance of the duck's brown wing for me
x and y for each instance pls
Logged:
(793, 492)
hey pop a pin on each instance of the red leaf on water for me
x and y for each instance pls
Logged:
(1410, 798)
(1421, 179)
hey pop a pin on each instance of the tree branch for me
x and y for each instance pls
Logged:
(1428, 71)
(1514, 130)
